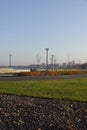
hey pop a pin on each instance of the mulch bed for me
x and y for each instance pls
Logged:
(28, 113)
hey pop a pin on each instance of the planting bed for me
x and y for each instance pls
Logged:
(28, 113)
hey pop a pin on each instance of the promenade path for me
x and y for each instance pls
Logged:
(9, 77)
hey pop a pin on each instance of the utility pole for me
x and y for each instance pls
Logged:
(10, 60)
(47, 59)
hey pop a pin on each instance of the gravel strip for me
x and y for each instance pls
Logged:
(28, 113)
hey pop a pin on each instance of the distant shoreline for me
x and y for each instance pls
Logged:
(12, 70)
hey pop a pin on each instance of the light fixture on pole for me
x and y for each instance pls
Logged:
(47, 59)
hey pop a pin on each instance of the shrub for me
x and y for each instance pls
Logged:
(51, 73)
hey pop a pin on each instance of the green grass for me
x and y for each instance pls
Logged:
(68, 89)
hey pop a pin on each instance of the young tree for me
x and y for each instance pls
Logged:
(38, 57)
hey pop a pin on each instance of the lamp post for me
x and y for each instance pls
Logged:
(47, 59)
(10, 60)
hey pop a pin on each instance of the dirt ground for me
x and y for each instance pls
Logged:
(28, 113)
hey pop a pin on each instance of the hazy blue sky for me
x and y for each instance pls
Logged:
(27, 27)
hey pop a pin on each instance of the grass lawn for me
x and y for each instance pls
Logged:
(68, 89)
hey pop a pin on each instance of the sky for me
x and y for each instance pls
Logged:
(27, 27)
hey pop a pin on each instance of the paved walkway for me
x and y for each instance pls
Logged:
(5, 78)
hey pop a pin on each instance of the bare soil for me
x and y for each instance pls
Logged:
(29, 113)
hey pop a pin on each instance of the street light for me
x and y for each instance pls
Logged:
(47, 59)
(10, 60)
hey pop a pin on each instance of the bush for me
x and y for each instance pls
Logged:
(50, 73)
